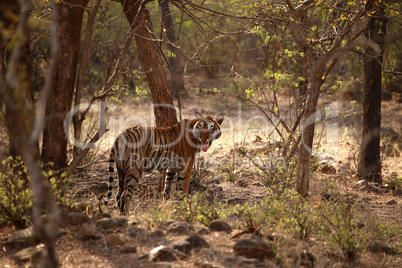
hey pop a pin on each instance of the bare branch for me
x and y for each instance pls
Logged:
(82, 153)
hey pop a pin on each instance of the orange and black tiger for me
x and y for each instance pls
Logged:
(172, 148)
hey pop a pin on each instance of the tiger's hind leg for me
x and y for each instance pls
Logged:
(131, 181)
(120, 174)
(170, 175)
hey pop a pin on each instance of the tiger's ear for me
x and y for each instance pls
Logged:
(220, 118)
(198, 115)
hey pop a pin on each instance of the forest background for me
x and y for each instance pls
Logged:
(306, 68)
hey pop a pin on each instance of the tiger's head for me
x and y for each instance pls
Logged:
(207, 129)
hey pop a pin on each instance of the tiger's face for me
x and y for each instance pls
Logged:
(207, 129)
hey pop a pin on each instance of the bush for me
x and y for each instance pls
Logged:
(15, 193)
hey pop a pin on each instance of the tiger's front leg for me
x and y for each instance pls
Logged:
(184, 177)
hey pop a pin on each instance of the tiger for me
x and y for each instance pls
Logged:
(171, 150)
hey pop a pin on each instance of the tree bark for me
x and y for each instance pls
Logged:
(13, 94)
(165, 114)
(9, 15)
(306, 145)
(370, 162)
(54, 148)
(174, 60)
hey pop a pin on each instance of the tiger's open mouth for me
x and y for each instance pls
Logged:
(204, 146)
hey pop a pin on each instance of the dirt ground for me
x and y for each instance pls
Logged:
(128, 245)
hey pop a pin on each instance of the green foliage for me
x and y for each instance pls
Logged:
(339, 221)
(394, 182)
(15, 193)
(198, 208)
(286, 213)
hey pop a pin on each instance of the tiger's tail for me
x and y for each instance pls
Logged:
(111, 175)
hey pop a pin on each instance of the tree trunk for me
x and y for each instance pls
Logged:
(54, 147)
(9, 14)
(174, 60)
(306, 145)
(370, 162)
(165, 114)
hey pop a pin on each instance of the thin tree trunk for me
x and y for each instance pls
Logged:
(54, 148)
(306, 145)
(370, 162)
(165, 114)
(9, 15)
(13, 93)
(79, 118)
(174, 60)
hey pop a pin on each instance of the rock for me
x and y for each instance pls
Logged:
(157, 233)
(113, 240)
(220, 226)
(77, 218)
(180, 228)
(163, 253)
(182, 245)
(203, 231)
(29, 253)
(252, 246)
(24, 236)
(89, 232)
(107, 224)
(197, 241)
(391, 202)
(379, 246)
(135, 232)
(128, 249)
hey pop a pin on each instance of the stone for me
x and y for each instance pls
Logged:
(203, 231)
(197, 241)
(89, 232)
(157, 233)
(29, 253)
(180, 228)
(220, 226)
(135, 231)
(252, 246)
(77, 218)
(113, 240)
(24, 236)
(182, 245)
(107, 224)
(164, 253)
(379, 246)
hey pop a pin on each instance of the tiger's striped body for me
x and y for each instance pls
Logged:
(174, 148)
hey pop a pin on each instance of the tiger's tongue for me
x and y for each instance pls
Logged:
(204, 146)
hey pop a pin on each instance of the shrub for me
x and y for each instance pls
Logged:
(15, 193)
